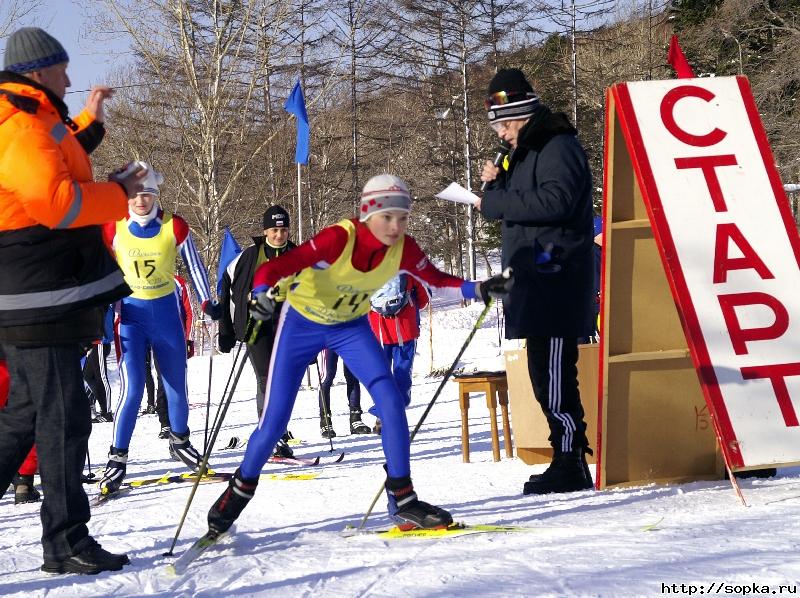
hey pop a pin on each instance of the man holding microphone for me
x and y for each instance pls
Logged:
(542, 195)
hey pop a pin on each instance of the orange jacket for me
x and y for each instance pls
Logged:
(55, 271)
(45, 174)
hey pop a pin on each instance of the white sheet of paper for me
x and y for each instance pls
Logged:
(457, 193)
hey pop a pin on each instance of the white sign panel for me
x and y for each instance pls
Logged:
(728, 239)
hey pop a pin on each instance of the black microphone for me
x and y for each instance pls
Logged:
(502, 152)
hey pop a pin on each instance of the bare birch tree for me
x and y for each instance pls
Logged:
(202, 104)
(13, 13)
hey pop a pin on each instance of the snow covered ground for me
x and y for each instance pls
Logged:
(645, 541)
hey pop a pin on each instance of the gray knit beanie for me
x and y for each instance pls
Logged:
(30, 49)
(384, 192)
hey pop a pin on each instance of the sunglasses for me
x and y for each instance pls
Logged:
(499, 127)
(506, 97)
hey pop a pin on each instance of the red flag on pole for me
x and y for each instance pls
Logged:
(678, 60)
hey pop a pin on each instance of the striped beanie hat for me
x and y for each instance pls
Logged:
(31, 49)
(510, 96)
(384, 192)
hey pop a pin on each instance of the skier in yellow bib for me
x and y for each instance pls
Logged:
(339, 270)
(146, 244)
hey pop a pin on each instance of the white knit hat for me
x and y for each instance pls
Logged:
(384, 192)
(152, 180)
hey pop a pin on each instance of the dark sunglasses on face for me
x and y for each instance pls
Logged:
(506, 97)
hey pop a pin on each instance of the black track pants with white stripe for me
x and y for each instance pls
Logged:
(552, 365)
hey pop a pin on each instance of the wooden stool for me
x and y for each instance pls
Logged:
(495, 387)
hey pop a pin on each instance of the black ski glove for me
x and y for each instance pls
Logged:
(212, 309)
(226, 342)
(262, 304)
(498, 286)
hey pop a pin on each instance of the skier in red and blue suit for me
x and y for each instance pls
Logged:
(146, 244)
(327, 304)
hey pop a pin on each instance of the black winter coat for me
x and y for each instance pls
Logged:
(237, 289)
(545, 203)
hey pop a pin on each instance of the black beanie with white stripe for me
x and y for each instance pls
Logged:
(523, 102)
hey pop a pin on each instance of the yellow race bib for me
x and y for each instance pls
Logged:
(341, 293)
(148, 264)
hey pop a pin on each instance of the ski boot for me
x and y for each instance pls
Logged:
(567, 473)
(356, 425)
(182, 450)
(102, 418)
(282, 449)
(231, 503)
(149, 410)
(409, 512)
(115, 470)
(24, 492)
(91, 560)
(326, 427)
(377, 428)
(164, 433)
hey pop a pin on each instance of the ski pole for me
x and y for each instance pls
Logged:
(499, 329)
(208, 396)
(204, 464)
(447, 375)
(89, 463)
(326, 409)
(227, 384)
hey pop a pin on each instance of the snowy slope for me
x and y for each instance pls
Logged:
(615, 543)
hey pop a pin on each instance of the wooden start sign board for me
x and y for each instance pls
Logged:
(690, 175)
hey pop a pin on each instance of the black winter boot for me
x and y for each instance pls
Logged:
(231, 503)
(408, 511)
(356, 425)
(90, 561)
(567, 473)
(24, 492)
(326, 427)
(586, 471)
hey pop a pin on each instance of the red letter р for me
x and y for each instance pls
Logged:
(740, 336)
(668, 117)
(724, 264)
(777, 374)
